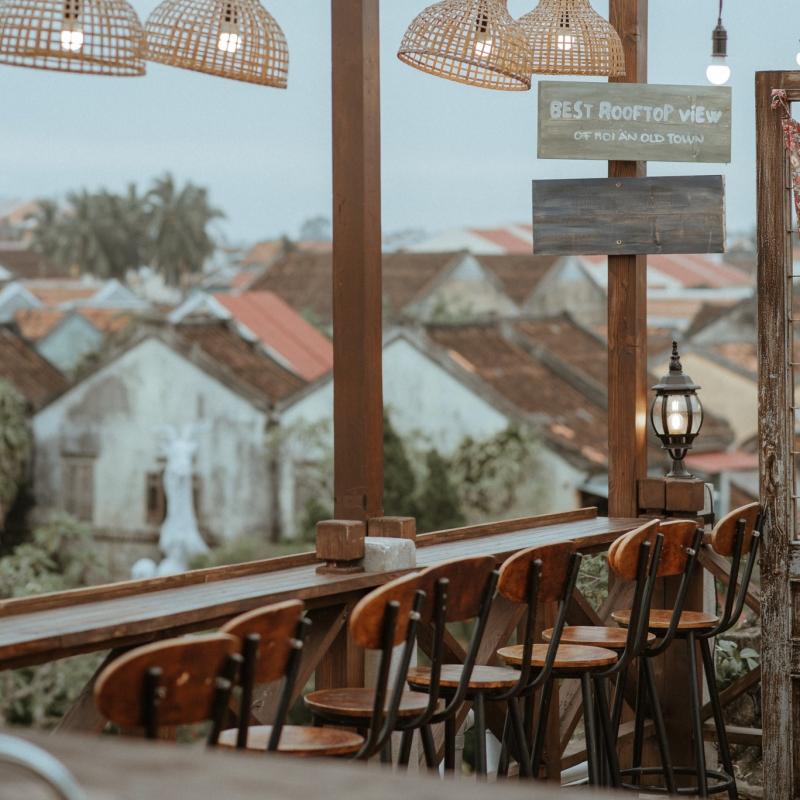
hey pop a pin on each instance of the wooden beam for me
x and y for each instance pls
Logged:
(737, 734)
(627, 305)
(776, 434)
(357, 296)
(736, 689)
(721, 568)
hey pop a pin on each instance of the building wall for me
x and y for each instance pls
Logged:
(569, 288)
(109, 426)
(466, 292)
(70, 343)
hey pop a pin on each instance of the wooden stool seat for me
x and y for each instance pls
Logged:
(359, 702)
(594, 636)
(568, 656)
(297, 740)
(660, 619)
(483, 677)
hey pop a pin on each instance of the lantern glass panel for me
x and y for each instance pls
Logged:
(655, 415)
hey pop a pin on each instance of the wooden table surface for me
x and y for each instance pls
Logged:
(33, 630)
(111, 768)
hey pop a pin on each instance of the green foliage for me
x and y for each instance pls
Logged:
(106, 234)
(492, 473)
(313, 512)
(59, 556)
(399, 480)
(438, 504)
(243, 549)
(16, 446)
(733, 663)
(593, 579)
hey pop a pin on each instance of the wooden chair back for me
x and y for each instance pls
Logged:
(723, 537)
(679, 536)
(467, 579)
(515, 573)
(368, 617)
(174, 682)
(276, 629)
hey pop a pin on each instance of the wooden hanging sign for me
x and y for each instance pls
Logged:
(634, 122)
(629, 216)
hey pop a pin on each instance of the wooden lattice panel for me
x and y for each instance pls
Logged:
(99, 37)
(236, 39)
(469, 41)
(568, 37)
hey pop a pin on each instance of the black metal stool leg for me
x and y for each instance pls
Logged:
(719, 721)
(405, 748)
(589, 726)
(609, 737)
(502, 764)
(541, 728)
(661, 731)
(450, 744)
(518, 734)
(429, 748)
(697, 719)
(479, 712)
(638, 731)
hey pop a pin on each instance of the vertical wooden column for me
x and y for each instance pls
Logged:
(627, 307)
(779, 703)
(357, 377)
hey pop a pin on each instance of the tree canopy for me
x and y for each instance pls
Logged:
(107, 234)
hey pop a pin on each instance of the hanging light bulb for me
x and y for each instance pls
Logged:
(230, 39)
(797, 58)
(718, 71)
(71, 30)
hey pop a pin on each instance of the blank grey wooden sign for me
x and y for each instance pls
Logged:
(634, 122)
(618, 216)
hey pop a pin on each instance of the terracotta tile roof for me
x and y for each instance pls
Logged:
(519, 274)
(35, 323)
(571, 419)
(740, 354)
(725, 461)
(246, 360)
(263, 254)
(564, 338)
(55, 293)
(25, 263)
(303, 280)
(282, 329)
(34, 377)
(107, 320)
(517, 239)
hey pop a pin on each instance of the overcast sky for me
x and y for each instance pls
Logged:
(452, 155)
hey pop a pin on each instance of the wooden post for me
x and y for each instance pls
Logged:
(776, 437)
(627, 306)
(357, 336)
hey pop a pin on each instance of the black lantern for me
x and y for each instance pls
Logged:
(676, 415)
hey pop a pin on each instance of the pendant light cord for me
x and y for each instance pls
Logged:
(719, 19)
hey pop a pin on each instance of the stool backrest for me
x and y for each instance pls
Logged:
(679, 538)
(743, 521)
(623, 555)
(276, 627)
(271, 643)
(467, 579)
(174, 682)
(737, 534)
(547, 573)
(383, 619)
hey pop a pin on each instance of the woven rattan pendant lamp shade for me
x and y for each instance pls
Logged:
(236, 39)
(568, 37)
(469, 41)
(97, 37)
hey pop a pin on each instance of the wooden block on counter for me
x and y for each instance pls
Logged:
(393, 527)
(685, 494)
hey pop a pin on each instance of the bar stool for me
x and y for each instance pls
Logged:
(737, 534)
(385, 618)
(557, 567)
(630, 559)
(271, 646)
(457, 590)
(174, 682)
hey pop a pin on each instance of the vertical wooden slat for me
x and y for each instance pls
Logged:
(627, 306)
(776, 434)
(358, 393)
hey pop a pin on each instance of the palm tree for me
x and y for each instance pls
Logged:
(179, 219)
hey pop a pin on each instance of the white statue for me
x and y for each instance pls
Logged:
(180, 538)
